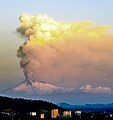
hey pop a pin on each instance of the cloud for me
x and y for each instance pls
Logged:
(89, 89)
(65, 53)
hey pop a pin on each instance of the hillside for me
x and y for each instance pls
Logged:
(25, 105)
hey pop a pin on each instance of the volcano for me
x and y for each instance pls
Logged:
(30, 87)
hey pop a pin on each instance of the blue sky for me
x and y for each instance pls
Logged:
(99, 11)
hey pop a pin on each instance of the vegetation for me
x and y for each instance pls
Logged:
(24, 106)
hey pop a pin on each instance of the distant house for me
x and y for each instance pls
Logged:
(33, 113)
(78, 113)
(9, 112)
(67, 114)
(42, 116)
(111, 115)
(54, 113)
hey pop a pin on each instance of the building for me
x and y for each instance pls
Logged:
(67, 114)
(110, 115)
(54, 113)
(78, 113)
(33, 113)
(42, 116)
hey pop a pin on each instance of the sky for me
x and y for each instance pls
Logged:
(98, 11)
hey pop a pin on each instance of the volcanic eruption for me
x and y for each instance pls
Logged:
(62, 53)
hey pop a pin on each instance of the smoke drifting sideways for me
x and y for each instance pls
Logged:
(64, 53)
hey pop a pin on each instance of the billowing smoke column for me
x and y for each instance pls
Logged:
(64, 53)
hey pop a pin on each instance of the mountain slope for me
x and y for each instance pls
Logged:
(38, 88)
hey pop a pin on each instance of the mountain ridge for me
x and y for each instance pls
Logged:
(88, 107)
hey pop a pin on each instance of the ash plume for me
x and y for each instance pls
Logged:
(64, 53)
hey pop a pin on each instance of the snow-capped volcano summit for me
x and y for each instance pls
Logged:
(36, 88)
